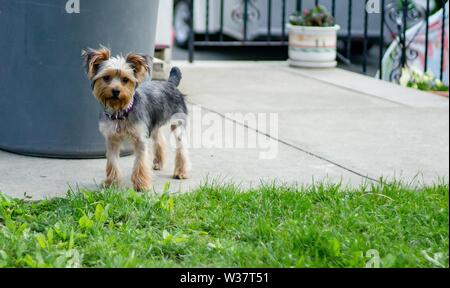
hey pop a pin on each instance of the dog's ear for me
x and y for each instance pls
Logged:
(141, 64)
(93, 58)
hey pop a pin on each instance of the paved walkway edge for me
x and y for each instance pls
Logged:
(344, 79)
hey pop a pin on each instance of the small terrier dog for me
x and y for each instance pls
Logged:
(135, 108)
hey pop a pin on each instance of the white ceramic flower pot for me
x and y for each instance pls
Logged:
(312, 46)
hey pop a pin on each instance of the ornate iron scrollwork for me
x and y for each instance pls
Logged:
(399, 19)
(253, 13)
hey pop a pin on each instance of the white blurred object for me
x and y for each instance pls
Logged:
(164, 31)
(164, 35)
(164, 40)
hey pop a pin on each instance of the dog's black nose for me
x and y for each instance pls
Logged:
(115, 93)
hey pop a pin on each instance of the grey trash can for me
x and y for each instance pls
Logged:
(46, 105)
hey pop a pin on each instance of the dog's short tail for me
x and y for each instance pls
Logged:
(175, 76)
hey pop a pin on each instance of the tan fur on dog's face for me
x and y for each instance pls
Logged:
(114, 79)
(118, 80)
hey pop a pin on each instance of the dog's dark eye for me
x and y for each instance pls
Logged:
(125, 80)
(106, 78)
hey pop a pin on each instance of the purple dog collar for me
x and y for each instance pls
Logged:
(121, 115)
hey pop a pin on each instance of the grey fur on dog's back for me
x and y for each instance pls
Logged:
(157, 101)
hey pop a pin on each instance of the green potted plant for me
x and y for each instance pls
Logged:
(312, 38)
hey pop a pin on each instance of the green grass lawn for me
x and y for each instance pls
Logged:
(221, 226)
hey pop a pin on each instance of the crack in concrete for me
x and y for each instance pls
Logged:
(289, 144)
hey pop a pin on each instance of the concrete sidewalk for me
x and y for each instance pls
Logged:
(328, 130)
(370, 127)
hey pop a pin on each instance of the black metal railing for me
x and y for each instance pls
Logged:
(394, 19)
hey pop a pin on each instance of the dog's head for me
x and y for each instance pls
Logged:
(114, 79)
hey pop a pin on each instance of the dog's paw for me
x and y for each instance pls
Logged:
(140, 187)
(180, 175)
(141, 183)
(157, 166)
(141, 177)
(108, 183)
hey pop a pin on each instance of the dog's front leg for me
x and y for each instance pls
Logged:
(113, 175)
(141, 171)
